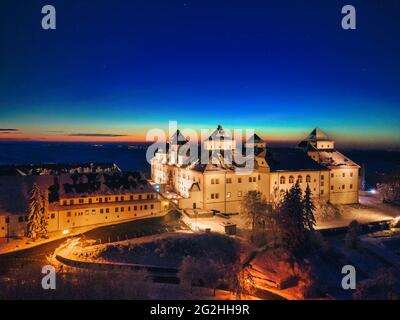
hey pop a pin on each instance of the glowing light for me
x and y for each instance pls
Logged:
(372, 191)
(395, 222)
(65, 231)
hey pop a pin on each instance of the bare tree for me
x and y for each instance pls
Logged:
(254, 207)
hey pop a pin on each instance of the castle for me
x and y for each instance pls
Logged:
(220, 187)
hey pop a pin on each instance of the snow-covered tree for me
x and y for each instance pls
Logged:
(43, 218)
(309, 208)
(34, 215)
(254, 207)
(37, 213)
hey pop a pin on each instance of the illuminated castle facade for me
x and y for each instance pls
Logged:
(77, 197)
(216, 185)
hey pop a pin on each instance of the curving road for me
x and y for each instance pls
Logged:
(36, 256)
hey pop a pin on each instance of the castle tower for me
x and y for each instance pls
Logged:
(319, 140)
(257, 143)
(220, 140)
(176, 141)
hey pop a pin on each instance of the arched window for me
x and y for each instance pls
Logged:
(308, 178)
(291, 179)
(300, 179)
(282, 180)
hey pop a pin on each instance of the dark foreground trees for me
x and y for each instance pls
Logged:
(295, 220)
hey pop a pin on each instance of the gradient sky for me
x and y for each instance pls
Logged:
(114, 69)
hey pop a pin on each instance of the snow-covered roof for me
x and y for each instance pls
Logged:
(334, 159)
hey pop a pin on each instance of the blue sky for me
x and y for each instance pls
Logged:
(120, 68)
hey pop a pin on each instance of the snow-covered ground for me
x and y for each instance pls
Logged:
(370, 209)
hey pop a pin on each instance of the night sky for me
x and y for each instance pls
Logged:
(114, 69)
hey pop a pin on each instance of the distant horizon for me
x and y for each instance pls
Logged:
(273, 144)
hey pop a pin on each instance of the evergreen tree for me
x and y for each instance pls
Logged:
(291, 219)
(308, 207)
(34, 216)
(44, 213)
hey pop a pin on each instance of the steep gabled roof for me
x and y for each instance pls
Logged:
(177, 138)
(255, 138)
(219, 134)
(195, 187)
(317, 134)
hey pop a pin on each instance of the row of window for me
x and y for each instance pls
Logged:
(228, 195)
(108, 199)
(239, 180)
(343, 174)
(105, 217)
(343, 187)
(282, 179)
(116, 209)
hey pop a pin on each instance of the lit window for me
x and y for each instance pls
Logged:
(228, 194)
(282, 180)
(300, 179)
(291, 179)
